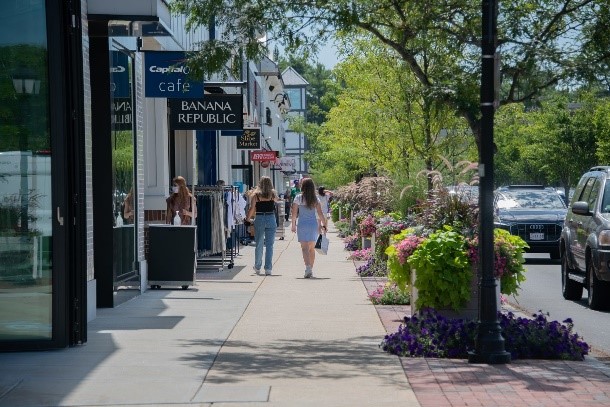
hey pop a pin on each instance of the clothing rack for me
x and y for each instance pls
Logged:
(213, 228)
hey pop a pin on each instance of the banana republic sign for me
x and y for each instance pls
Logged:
(212, 112)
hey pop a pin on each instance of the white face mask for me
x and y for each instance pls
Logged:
(175, 189)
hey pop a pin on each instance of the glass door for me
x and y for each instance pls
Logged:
(26, 211)
(125, 273)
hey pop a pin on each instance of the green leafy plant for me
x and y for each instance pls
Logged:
(443, 270)
(343, 227)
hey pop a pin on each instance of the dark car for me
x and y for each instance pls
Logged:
(585, 241)
(533, 212)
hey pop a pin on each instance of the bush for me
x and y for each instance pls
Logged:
(443, 271)
(432, 335)
(343, 227)
(389, 295)
(508, 259)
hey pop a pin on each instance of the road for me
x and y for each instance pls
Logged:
(542, 291)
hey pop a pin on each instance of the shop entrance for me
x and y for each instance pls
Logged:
(41, 292)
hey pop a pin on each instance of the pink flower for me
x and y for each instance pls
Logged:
(406, 247)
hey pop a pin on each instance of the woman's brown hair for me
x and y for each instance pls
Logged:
(184, 195)
(308, 189)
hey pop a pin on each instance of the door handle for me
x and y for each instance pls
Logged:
(60, 218)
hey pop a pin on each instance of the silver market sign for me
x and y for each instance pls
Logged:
(212, 112)
(250, 139)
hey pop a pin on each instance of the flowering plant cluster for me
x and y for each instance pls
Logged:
(352, 242)
(432, 335)
(385, 229)
(362, 254)
(372, 268)
(389, 294)
(508, 259)
(406, 247)
(367, 226)
(402, 246)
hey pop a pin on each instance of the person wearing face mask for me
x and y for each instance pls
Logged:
(182, 202)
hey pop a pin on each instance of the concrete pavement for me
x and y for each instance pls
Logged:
(279, 340)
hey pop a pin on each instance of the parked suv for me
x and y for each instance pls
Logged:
(533, 212)
(585, 241)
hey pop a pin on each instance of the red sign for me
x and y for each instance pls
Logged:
(263, 155)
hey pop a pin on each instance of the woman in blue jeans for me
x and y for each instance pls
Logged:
(262, 209)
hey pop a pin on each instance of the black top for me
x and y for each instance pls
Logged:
(265, 206)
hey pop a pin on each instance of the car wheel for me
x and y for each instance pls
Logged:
(596, 289)
(570, 289)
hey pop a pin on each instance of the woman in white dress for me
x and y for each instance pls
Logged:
(324, 198)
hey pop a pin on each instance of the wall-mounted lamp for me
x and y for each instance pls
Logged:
(26, 82)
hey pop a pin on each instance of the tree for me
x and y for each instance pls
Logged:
(387, 121)
(554, 143)
(543, 42)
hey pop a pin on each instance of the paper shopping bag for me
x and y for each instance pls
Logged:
(322, 244)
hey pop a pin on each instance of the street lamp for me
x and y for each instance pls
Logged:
(26, 83)
(489, 343)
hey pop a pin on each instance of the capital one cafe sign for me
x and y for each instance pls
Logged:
(167, 76)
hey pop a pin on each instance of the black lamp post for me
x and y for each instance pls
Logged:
(489, 343)
(25, 83)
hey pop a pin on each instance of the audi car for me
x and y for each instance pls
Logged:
(533, 212)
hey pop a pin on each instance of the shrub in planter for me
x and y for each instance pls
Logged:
(343, 227)
(432, 335)
(397, 253)
(385, 229)
(367, 226)
(443, 271)
(508, 259)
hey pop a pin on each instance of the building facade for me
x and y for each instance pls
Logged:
(89, 147)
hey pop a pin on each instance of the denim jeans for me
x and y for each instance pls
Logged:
(264, 233)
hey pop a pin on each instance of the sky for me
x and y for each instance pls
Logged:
(327, 55)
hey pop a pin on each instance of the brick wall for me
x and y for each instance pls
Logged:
(151, 217)
(88, 154)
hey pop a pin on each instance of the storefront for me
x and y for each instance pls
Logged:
(43, 250)
(87, 158)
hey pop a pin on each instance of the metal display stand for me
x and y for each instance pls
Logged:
(171, 256)
(279, 218)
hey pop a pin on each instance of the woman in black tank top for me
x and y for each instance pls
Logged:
(262, 209)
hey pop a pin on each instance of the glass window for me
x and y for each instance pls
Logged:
(26, 270)
(295, 98)
(526, 199)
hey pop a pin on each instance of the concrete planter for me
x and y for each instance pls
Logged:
(470, 310)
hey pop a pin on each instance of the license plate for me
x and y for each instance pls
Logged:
(536, 236)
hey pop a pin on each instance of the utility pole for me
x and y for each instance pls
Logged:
(489, 343)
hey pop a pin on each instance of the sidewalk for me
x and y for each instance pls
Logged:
(280, 340)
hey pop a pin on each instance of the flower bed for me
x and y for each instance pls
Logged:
(432, 335)
(389, 294)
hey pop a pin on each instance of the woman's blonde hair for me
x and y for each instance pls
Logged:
(308, 189)
(265, 188)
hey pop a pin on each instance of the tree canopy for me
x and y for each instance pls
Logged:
(542, 42)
